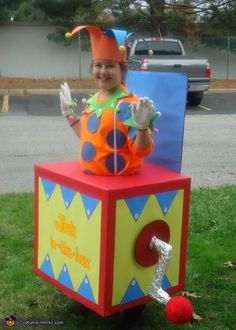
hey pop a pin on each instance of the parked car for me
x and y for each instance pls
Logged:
(168, 55)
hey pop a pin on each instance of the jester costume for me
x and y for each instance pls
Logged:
(108, 136)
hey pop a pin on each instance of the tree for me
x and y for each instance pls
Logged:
(220, 27)
(53, 10)
(63, 10)
(189, 18)
(194, 20)
(7, 9)
(27, 12)
(222, 19)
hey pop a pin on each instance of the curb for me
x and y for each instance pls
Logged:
(221, 90)
(28, 92)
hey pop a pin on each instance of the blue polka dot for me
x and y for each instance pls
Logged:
(124, 112)
(88, 151)
(109, 162)
(93, 123)
(120, 138)
(132, 132)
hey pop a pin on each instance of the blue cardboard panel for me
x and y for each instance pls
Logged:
(168, 92)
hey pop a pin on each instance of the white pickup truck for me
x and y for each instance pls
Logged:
(168, 55)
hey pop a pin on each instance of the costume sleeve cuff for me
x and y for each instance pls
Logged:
(143, 152)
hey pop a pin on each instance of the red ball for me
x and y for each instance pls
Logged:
(179, 310)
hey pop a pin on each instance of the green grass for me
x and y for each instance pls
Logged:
(211, 243)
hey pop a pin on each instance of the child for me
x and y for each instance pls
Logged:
(114, 128)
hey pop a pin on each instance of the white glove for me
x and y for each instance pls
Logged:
(67, 104)
(142, 112)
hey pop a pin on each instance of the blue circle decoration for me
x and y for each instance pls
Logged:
(132, 132)
(120, 138)
(110, 165)
(88, 151)
(124, 112)
(93, 123)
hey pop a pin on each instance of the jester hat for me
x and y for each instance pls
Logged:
(109, 45)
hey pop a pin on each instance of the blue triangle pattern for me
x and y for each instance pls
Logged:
(68, 195)
(133, 292)
(136, 205)
(64, 278)
(90, 204)
(85, 289)
(46, 267)
(48, 187)
(165, 199)
(165, 283)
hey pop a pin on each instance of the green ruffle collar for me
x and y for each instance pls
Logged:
(111, 103)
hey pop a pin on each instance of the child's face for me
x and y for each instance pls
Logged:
(106, 74)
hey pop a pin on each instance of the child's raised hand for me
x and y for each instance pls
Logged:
(142, 112)
(67, 104)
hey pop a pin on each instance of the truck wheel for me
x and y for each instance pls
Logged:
(194, 99)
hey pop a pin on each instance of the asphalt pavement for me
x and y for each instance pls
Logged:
(33, 131)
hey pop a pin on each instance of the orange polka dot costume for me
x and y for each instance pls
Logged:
(108, 136)
(108, 131)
